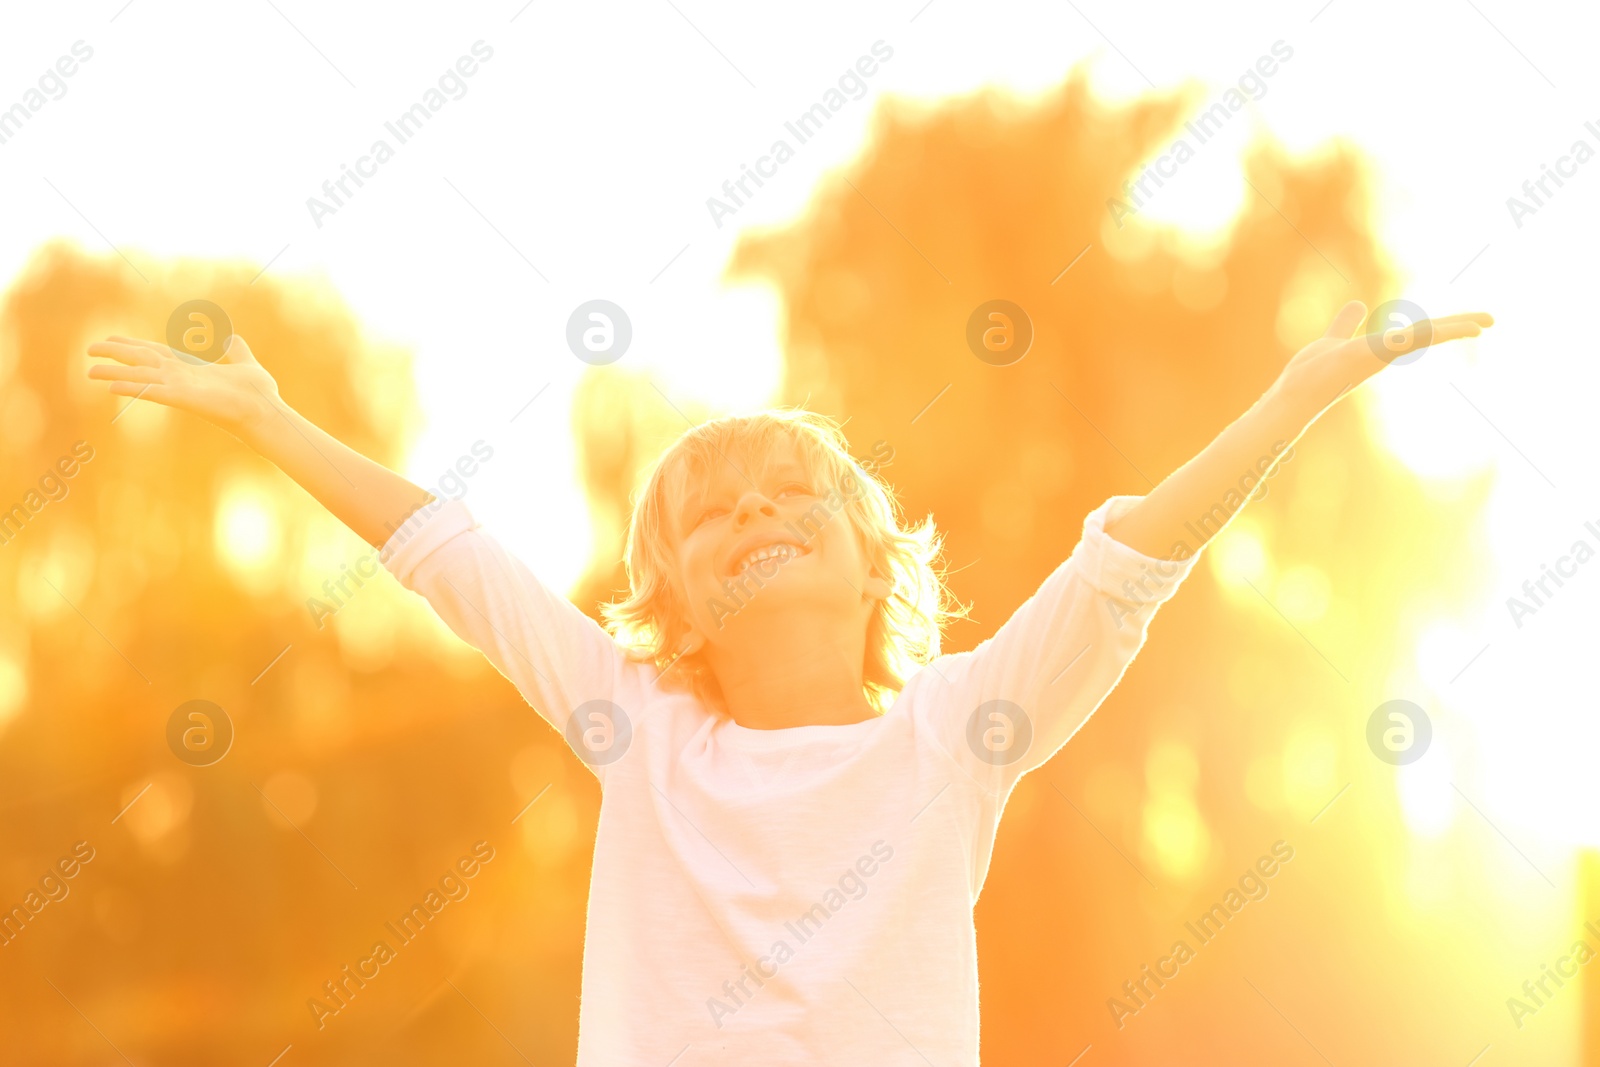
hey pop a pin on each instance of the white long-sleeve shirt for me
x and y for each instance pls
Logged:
(805, 895)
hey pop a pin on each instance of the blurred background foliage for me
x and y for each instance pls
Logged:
(371, 753)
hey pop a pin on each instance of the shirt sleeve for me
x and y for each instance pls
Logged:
(566, 667)
(1007, 706)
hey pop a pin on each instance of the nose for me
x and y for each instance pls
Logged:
(751, 505)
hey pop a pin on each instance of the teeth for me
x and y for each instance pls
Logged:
(779, 552)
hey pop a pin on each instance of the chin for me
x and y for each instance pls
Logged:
(777, 595)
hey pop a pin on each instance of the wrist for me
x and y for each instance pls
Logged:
(267, 425)
(1299, 401)
(1283, 414)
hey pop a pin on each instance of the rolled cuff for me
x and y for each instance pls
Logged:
(429, 527)
(1108, 564)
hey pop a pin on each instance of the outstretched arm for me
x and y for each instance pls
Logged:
(1317, 377)
(1010, 704)
(237, 394)
(559, 659)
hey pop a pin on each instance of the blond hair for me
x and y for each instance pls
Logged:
(903, 633)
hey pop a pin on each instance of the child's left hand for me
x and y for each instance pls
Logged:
(1319, 374)
(1341, 359)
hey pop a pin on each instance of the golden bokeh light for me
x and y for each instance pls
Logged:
(371, 746)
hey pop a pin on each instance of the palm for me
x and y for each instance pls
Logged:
(230, 392)
(1341, 359)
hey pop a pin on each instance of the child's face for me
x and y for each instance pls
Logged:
(815, 567)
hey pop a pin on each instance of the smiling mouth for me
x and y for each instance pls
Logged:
(781, 551)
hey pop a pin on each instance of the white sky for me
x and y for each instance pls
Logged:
(593, 137)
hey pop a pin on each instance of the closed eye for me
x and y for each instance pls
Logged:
(787, 489)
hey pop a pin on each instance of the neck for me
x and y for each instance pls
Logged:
(779, 677)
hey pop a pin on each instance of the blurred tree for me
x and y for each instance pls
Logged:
(371, 752)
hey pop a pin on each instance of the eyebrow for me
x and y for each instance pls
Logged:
(790, 469)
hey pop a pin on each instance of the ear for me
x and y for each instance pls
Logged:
(877, 588)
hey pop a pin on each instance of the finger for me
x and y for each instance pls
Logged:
(1422, 326)
(1453, 331)
(124, 352)
(237, 351)
(160, 348)
(1478, 318)
(1345, 322)
(112, 373)
(1436, 331)
(161, 394)
(1424, 334)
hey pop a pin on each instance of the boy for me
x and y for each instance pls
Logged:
(799, 794)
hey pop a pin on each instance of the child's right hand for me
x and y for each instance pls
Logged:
(236, 393)
(240, 396)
